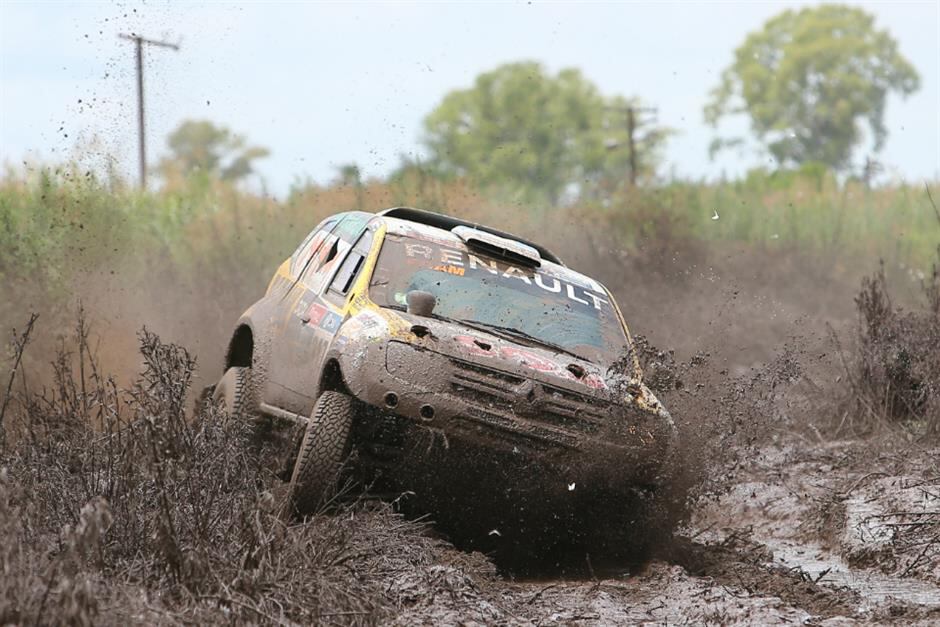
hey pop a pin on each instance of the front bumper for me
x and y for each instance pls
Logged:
(505, 411)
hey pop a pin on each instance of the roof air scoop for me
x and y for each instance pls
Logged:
(500, 247)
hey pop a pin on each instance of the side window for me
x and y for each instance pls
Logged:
(330, 253)
(305, 253)
(301, 255)
(350, 268)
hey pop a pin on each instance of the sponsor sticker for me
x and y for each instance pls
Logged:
(316, 313)
(330, 322)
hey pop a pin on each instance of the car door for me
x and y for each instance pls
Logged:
(316, 257)
(314, 319)
(335, 299)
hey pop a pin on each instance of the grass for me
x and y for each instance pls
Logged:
(895, 223)
(53, 222)
(117, 508)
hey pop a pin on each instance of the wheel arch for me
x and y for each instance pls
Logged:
(241, 347)
(332, 378)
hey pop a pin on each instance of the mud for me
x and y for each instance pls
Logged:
(780, 547)
(533, 518)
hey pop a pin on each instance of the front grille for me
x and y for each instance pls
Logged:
(484, 387)
(495, 391)
(532, 435)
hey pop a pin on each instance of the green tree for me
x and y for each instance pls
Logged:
(199, 146)
(535, 134)
(809, 80)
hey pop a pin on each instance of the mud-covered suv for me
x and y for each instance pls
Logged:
(383, 330)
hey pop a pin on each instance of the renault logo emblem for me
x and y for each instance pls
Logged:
(530, 394)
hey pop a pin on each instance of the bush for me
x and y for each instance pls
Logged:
(896, 375)
(116, 507)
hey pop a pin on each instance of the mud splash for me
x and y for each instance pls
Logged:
(765, 552)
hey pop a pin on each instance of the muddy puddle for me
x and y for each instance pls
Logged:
(841, 538)
(825, 568)
(804, 536)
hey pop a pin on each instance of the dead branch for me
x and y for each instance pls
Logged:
(19, 347)
(932, 203)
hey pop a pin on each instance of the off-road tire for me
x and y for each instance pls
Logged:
(236, 393)
(326, 445)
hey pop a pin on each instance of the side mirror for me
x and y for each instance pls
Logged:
(420, 303)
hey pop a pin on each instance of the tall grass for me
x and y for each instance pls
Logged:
(58, 224)
(894, 223)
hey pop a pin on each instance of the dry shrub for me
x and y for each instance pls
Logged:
(895, 376)
(115, 507)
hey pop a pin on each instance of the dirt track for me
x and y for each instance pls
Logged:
(811, 534)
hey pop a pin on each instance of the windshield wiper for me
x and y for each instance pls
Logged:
(510, 333)
(515, 333)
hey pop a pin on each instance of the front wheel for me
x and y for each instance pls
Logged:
(326, 445)
(234, 391)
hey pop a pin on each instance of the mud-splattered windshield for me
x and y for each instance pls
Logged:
(474, 287)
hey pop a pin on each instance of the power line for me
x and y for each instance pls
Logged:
(141, 135)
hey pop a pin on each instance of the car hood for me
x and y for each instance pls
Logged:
(485, 350)
(489, 350)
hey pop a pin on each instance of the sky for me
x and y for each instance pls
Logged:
(325, 84)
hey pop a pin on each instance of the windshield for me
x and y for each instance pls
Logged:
(478, 288)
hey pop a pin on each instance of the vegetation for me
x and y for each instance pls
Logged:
(56, 223)
(896, 375)
(807, 80)
(116, 507)
(535, 135)
(811, 214)
(199, 147)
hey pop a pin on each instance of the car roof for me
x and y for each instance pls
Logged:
(447, 223)
(404, 226)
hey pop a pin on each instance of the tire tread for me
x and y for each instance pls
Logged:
(325, 447)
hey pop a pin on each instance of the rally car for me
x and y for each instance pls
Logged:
(411, 322)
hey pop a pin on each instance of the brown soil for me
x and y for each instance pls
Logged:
(756, 555)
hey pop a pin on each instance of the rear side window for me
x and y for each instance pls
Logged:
(302, 257)
(351, 266)
(324, 263)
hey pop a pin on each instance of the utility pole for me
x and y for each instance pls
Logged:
(631, 129)
(141, 135)
(632, 123)
(631, 137)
